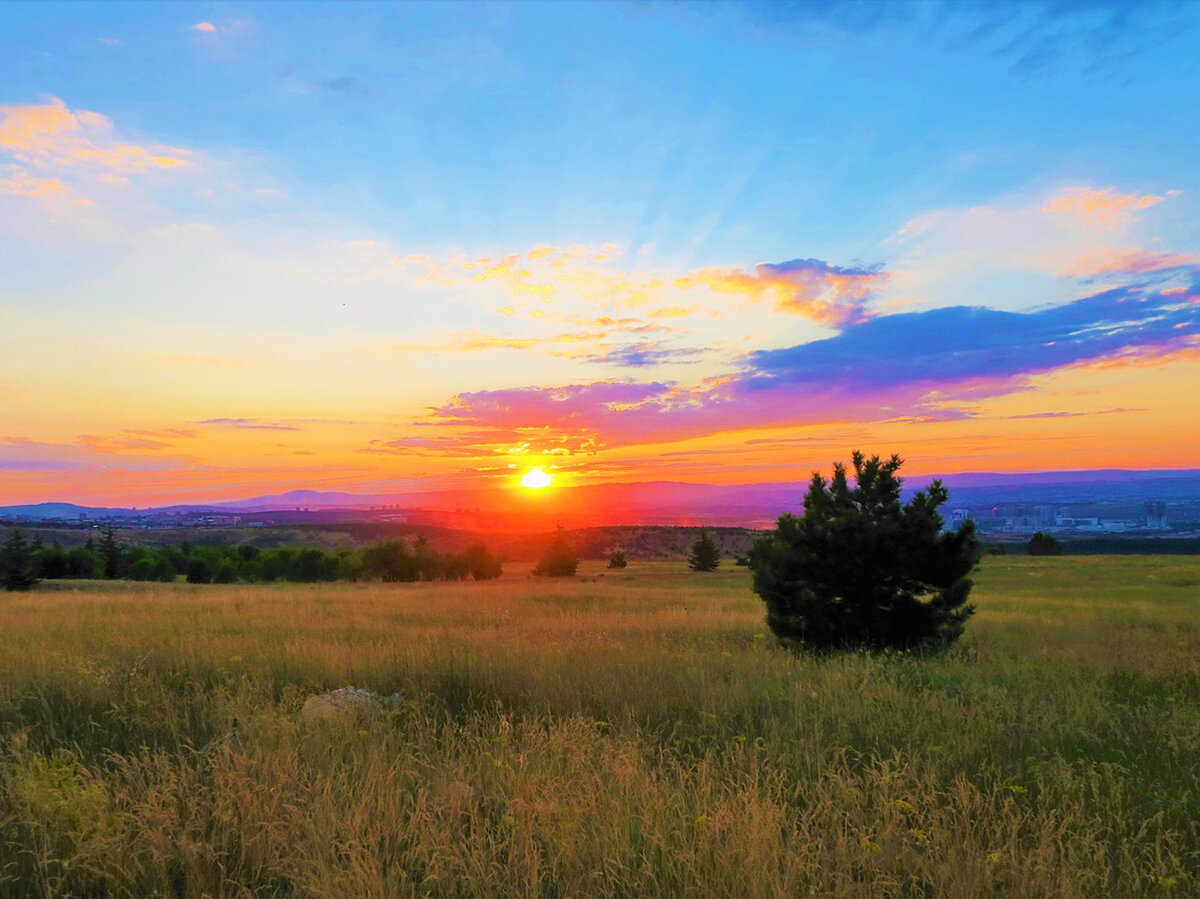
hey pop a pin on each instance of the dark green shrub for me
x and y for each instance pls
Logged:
(1042, 544)
(198, 571)
(482, 564)
(224, 575)
(141, 569)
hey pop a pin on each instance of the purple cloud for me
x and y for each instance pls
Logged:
(962, 343)
(645, 354)
(247, 424)
(911, 366)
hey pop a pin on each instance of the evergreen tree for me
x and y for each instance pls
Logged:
(110, 552)
(560, 559)
(862, 569)
(16, 563)
(706, 555)
(429, 565)
(617, 560)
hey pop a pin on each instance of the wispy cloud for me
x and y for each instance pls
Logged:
(645, 354)
(88, 454)
(248, 424)
(1099, 207)
(1106, 261)
(1034, 38)
(828, 294)
(1014, 247)
(544, 276)
(51, 136)
(54, 154)
(1063, 414)
(119, 444)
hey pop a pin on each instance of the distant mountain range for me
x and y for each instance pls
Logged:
(660, 501)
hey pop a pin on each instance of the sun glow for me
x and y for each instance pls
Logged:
(536, 479)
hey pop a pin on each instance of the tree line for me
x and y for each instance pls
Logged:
(24, 562)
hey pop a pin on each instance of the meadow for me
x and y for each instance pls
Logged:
(630, 733)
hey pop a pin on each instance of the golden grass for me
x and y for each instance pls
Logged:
(619, 734)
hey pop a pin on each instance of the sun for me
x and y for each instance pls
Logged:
(536, 479)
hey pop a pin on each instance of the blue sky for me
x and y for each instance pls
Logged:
(338, 187)
(723, 132)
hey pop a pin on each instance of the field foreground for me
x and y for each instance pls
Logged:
(630, 734)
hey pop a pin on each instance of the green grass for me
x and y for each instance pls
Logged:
(631, 733)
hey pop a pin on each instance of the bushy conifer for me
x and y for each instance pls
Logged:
(16, 563)
(560, 559)
(706, 555)
(861, 569)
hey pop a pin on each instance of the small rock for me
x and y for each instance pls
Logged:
(339, 704)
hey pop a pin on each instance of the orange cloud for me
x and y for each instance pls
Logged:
(599, 332)
(828, 294)
(205, 27)
(48, 141)
(831, 295)
(21, 183)
(1099, 207)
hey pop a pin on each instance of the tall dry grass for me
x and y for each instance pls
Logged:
(635, 733)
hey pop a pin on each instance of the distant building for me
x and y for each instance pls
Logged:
(1156, 515)
(1078, 524)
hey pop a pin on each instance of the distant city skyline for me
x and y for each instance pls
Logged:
(386, 248)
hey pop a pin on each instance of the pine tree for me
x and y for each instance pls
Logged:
(560, 559)
(16, 563)
(110, 552)
(706, 555)
(860, 569)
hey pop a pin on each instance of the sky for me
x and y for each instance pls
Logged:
(247, 248)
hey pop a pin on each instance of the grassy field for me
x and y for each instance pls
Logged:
(628, 733)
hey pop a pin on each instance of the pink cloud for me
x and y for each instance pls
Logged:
(1128, 262)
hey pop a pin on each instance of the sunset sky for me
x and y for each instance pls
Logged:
(246, 248)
